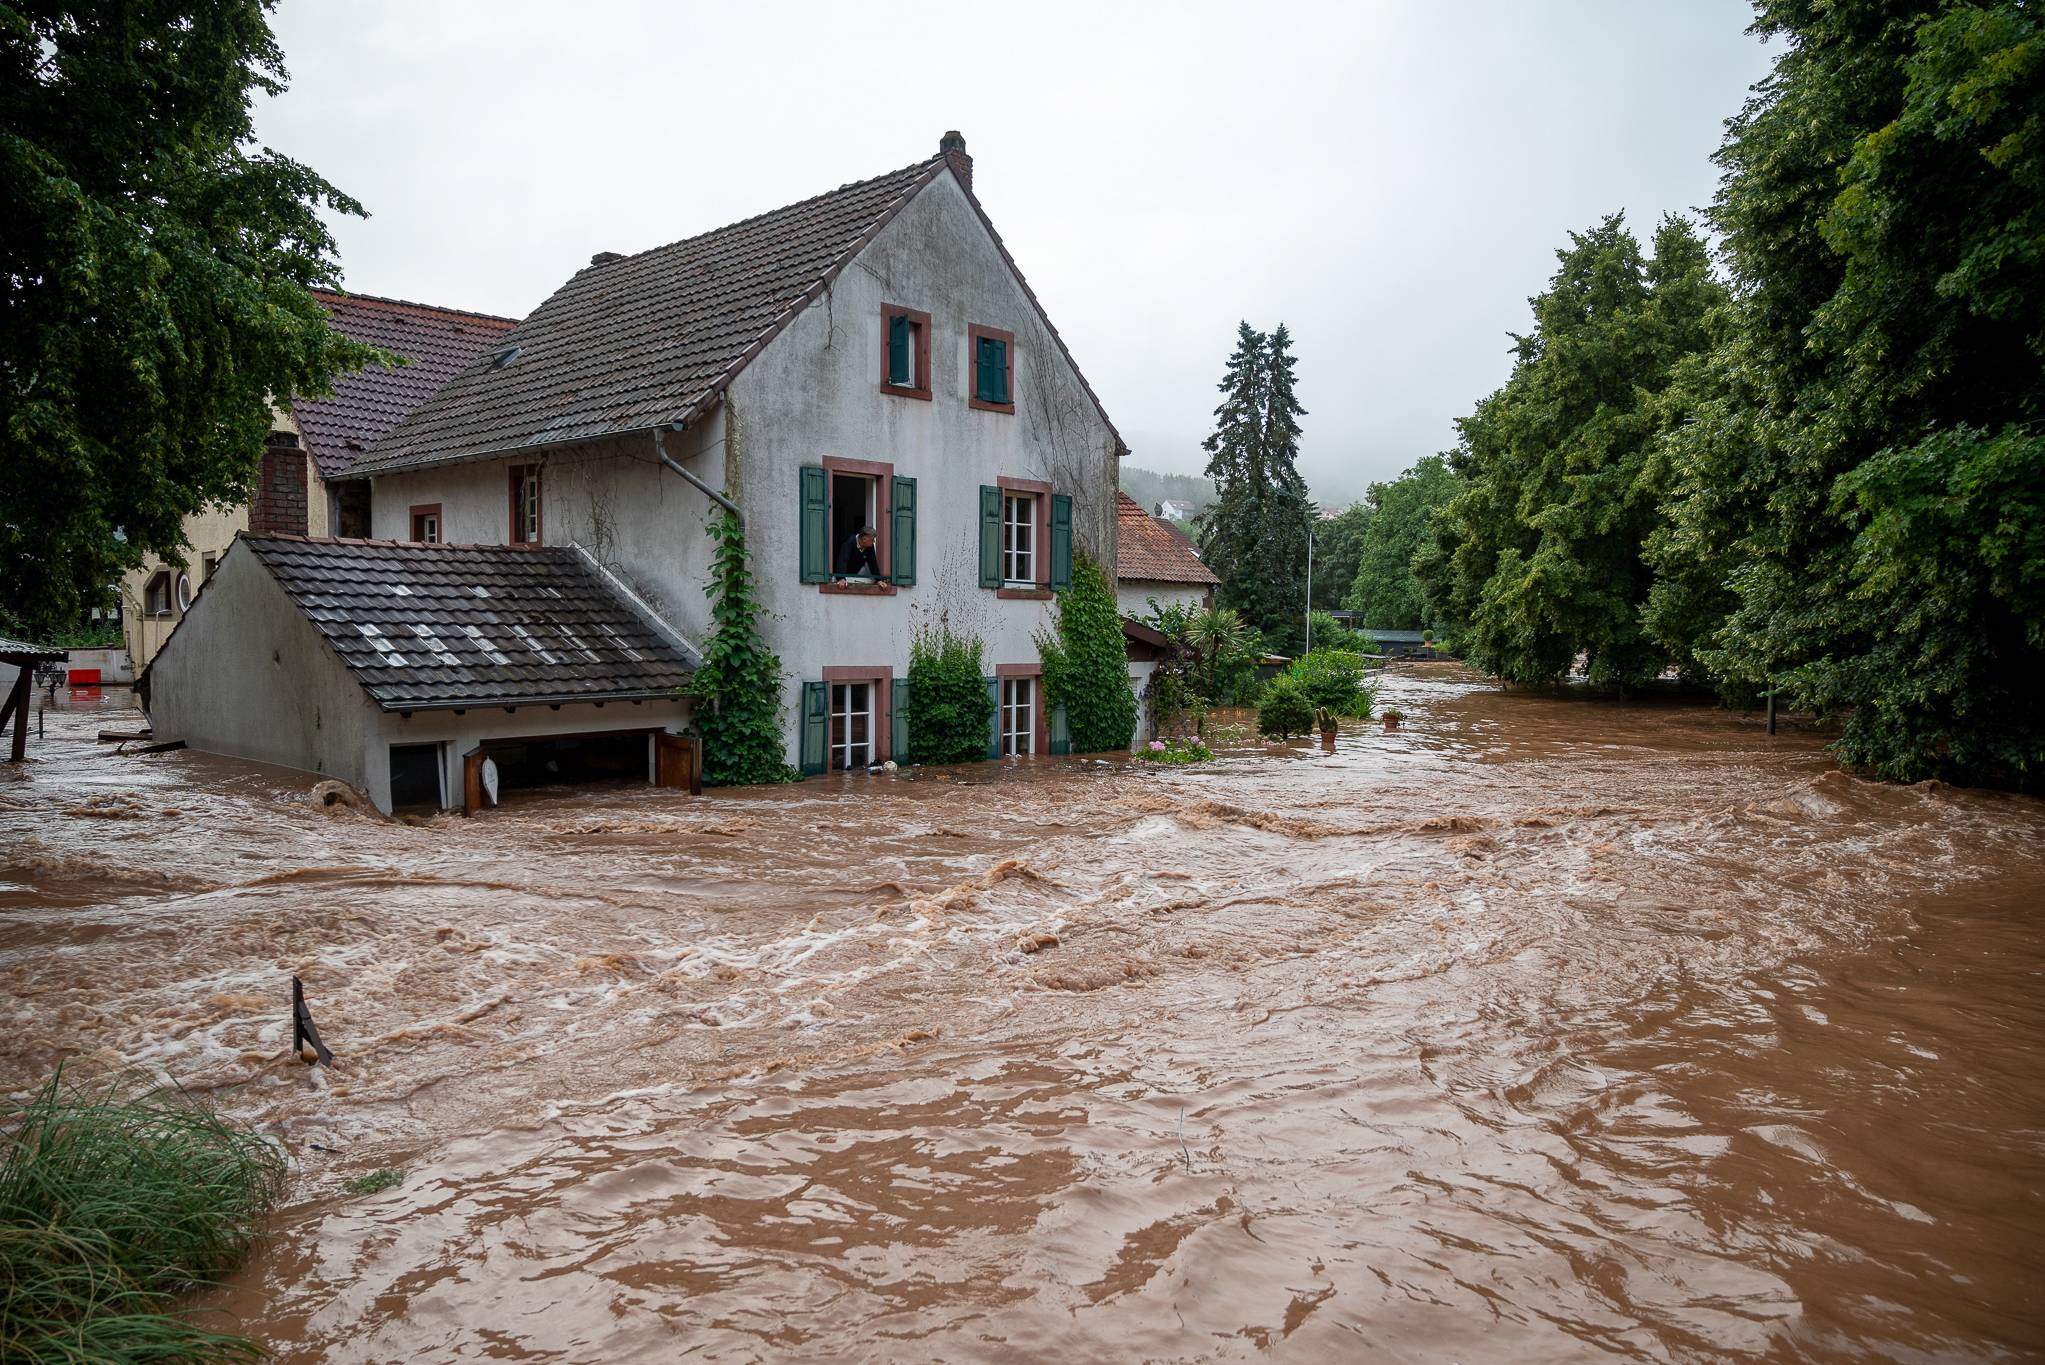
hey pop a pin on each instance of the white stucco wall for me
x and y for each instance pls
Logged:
(815, 392)
(245, 674)
(1133, 595)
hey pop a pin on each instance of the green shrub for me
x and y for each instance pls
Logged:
(1330, 633)
(949, 710)
(1336, 680)
(1086, 663)
(114, 1199)
(1284, 710)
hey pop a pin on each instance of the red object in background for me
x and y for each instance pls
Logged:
(85, 677)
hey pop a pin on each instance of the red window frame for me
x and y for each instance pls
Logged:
(882, 678)
(883, 475)
(973, 400)
(1040, 567)
(519, 534)
(919, 359)
(421, 510)
(1040, 714)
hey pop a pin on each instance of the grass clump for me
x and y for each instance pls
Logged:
(376, 1182)
(114, 1199)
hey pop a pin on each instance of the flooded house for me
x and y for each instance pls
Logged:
(306, 483)
(864, 377)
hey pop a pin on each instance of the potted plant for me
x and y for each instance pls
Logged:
(1392, 718)
(1324, 721)
(1427, 640)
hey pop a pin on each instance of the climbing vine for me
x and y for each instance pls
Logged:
(737, 691)
(949, 708)
(1086, 663)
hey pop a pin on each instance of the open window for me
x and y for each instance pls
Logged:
(905, 352)
(840, 498)
(855, 507)
(426, 523)
(526, 519)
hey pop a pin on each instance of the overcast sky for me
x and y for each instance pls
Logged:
(1390, 179)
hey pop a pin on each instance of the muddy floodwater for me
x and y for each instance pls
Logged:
(1542, 1029)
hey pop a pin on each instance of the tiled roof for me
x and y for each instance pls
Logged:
(643, 340)
(1150, 551)
(440, 343)
(432, 626)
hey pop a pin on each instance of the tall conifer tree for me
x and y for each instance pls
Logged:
(1254, 536)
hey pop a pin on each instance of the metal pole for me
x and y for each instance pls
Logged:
(1310, 587)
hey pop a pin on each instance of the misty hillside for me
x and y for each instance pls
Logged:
(1149, 487)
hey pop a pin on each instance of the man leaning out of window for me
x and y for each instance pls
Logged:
(857, 557)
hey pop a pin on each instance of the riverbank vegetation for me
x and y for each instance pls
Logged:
(114, 1200)
(1816, 471)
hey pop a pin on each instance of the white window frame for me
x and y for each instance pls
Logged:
(427, 531)
(851, 701)
(1018, 715)
(157, 594)
(182, 590)
(1019, 546)
(527, 532)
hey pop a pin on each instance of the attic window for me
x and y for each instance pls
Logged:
(990, 354)
(904, 352)
(503, 356)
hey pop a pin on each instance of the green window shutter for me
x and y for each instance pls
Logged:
(994, 720)
(990, 536)
(988, 363)
(902, 549)
(1061, 542)
(898, 731)
(899, 363)
(816, 524)
(1000, 372)
(1061, 733)
(816, 720)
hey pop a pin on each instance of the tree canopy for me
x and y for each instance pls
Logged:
(1539, 555)
(154, 278)
(1858, 511)
(1254, 537)
(1338, 540)
(1399, 517)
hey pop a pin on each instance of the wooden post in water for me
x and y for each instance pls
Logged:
(302, 1030)
(1771, 710)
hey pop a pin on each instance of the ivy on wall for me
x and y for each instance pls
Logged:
(949, 709)
(1086, 663)
(737, 691)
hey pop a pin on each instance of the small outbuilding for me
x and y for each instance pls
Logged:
(1155, 562)
(426, 675)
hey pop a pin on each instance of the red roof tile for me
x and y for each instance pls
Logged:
(1150, 551)
(440, 343)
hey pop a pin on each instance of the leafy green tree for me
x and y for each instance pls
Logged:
(1338, 541)
(1086, 663)
(737, 691)
(154, 278)
(1399, 518)
(1255, 533)
(1541, 550)
(1864, 483)
(949, 709)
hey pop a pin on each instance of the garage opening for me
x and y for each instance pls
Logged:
(572, 759)
(630, 756)
(415, 776)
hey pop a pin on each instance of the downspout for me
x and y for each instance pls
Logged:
(660, 449)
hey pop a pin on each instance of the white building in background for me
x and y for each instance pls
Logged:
(1155, 563)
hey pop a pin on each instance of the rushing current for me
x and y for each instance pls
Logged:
(1541, 1029)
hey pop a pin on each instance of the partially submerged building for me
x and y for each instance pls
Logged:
(870, 358)
(306, 483)
(1155, 563)
(401, 669)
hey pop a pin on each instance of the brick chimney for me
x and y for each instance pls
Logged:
(953, 148)
(279, 501)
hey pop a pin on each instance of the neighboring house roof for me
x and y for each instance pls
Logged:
(636, 342)
(428, 627)
(1149, 551)
(439, 342)
(21, 653)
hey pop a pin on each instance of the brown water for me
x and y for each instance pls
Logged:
(1542, 1029)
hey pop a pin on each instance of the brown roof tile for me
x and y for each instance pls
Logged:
(1151, 551)
(644, 340)
(433, 626)
(439, 342)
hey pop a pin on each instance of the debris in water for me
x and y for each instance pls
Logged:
(1037, 942)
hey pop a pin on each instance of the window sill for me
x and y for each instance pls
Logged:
(858, 589)
(982, 405)
(901, 391)
(1024, 594)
